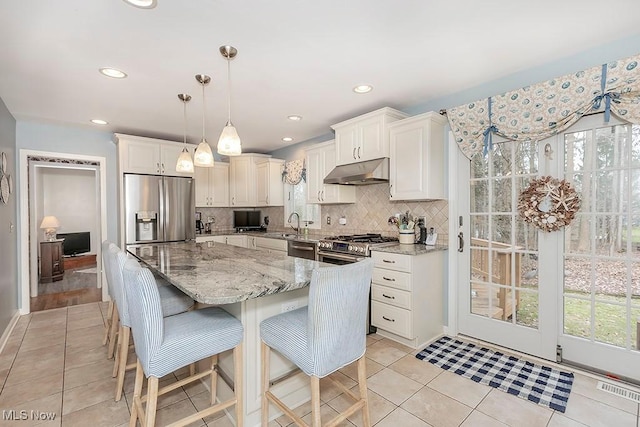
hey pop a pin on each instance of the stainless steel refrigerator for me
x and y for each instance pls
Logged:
(158, 208)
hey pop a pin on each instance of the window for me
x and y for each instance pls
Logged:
(296, 201)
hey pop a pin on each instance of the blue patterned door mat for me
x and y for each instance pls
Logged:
(539, 384)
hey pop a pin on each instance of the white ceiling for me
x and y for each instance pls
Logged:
(295, 57)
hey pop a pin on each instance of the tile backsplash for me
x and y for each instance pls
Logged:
(368, 215)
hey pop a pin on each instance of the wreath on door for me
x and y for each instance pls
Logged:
(549, 203)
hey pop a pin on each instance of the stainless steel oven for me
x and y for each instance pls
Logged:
(338, 258)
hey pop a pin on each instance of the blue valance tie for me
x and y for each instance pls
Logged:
(606, 96)
(488, 138)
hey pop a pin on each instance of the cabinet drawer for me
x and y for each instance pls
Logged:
(391, 261)
(393, 319)
(391, 296)
(394, 279)
(267, 243)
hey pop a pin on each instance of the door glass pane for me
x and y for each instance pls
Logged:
(606, 233)
(610, 323)
(635, 328)
(482, 304)
(502, 195)
(526, 158)
(527, 312)
(479, 228)
(479, 167)
(501, 229)
(479, 196)
(528, 270)
(577, 317)
(502, 159)
(526, 236)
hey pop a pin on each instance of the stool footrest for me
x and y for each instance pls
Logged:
(204, 413)
(284, 408)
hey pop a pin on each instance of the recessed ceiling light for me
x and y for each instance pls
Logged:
(142, 4)
(287, 139)
(112, 72)
(363, 88)
(99, 122)
(295, 118)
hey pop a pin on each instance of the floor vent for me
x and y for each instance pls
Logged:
(619, 391)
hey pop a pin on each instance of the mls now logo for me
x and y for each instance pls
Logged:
(23, 415)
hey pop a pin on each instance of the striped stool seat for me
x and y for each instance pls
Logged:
(328, 334)
(166, 344)
(172, 300)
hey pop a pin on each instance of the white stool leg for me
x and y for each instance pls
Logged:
(315, 402)
(123, 352)
(136, 407)
(152, 402)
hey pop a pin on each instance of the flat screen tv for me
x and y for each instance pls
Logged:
(246, 219)
(76, 243)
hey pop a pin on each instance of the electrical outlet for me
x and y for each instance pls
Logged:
(288, 306)
(328, 220)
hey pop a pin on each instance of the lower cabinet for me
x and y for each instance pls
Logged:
(406, 296)
(51, 262)
(248, 241)
(270, 245)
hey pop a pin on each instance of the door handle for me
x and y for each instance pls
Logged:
(233, 200)
(267, 200)
(460, 242)
(322, 195)
(358, 152)
(387, 319)
(387, 296)
(163, 168)
(354, 152)
(390, 280)
(318, 195)
(390, 191)
(388, 261)
(158, 167)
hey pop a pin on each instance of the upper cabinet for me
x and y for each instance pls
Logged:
(244, 181)
(320, 160)
(212, 186)
(365, 137)
(269, 186)
(416, 166)
(151, 156)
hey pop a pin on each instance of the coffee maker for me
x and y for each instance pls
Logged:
(199, 224)
(423, 231)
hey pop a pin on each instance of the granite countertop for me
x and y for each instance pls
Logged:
(215, 273)
(416, 249)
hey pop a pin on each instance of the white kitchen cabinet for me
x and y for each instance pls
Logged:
(406, 296)
(416, 165)
(212, 186)
(269, 185)
(151, 156)
(243, 179)
(237, 240)
(320, 160)
(267, 244)
(365, 137)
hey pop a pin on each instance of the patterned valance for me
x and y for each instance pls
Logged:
(539, 111)
(293, 172)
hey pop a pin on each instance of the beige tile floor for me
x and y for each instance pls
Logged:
(54, 362)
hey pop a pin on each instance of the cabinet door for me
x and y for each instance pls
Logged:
(371, 140)
(219, 185)
(203, 190)
(346, 145)
(262, 184)
(315, 171)
(329, 192)
(416, 170)
(241, 185)
(169, 154)
(237, 241)
(141, 157)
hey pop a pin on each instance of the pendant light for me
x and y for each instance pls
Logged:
(229, 142)
(185, 162)
(203, 156)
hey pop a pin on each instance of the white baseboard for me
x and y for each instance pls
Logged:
(7, 332)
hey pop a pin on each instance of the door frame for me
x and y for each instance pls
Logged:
(24, 222)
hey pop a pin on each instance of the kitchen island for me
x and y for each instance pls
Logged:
(252, 285)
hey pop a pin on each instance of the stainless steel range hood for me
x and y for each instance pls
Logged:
(362, 173)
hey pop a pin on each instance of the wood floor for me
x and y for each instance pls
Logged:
(66, 299)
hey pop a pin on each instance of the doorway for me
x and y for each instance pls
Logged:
(571, 294)
(63, 268)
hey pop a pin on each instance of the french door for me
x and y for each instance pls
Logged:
(576, 290)
(504, 294)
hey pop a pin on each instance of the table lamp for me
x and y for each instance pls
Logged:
(50, 224)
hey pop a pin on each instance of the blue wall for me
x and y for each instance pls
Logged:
(8, 229)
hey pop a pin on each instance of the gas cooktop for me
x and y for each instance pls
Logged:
(357, 244)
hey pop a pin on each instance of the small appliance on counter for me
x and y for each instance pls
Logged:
(199, 224)
(423, 232)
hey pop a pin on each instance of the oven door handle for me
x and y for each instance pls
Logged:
(339, 256)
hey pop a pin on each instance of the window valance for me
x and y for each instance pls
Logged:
(293, 172)
(544, 109)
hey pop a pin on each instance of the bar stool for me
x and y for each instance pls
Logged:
(321, 338)
(164, 345)
(173, 301)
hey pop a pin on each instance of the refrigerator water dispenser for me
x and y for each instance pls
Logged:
(146, 226)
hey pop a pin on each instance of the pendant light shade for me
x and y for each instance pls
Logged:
(185, 162)
(229, 143)
(203, 156)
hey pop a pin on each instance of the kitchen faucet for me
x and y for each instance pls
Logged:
(297, 222)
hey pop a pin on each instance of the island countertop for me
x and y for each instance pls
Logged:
(215, 273)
